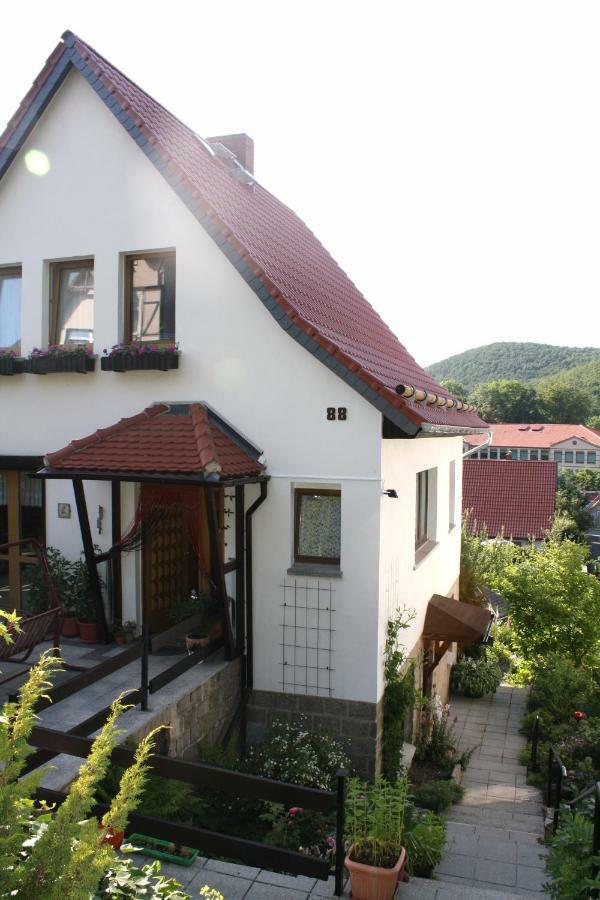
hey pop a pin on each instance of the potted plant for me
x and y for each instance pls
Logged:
(376, 859)
(69, 627)
(198, 602)
(87, 620)
(56, 358)
(10, 364)
(119, 633)
(131, 355)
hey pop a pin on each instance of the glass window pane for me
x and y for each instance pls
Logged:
(75, 314)
(568, 456)
(5, 600)
(483, 454)
(533, 454)
(31, 494)
(10, 311)
(523, 454)
(494, 453)
(580, 457)
(319, 526)
(558, 455)
(3, 509)
(152, 297)
(545, 454)
(591, 457)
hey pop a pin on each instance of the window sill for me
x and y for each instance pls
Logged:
(315, 570)
(423, 551)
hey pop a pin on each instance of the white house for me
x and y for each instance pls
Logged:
(118, 223)
(569, 446)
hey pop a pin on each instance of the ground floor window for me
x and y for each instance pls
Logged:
(317, 528)
(22, 515)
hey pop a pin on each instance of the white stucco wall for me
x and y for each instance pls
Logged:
(102, 198)
(403, 581)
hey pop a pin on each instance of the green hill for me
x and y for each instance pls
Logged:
(585, 377)
(520, 361)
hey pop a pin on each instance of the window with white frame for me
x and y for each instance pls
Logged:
(426, 507)
(10, 308)
(452, 495)
(317, 526)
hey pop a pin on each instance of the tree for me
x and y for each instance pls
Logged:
(455, 388)
(593, 422)
(586, 479)
(563, 403)
(570, 505)
(506, 401)
(554, 603)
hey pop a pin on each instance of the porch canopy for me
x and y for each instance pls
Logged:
(181, 443)
(452, 621)
(174, 444)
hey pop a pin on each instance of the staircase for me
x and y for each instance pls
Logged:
(492, 841)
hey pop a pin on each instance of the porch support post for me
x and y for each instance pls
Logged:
(218, 575)
(90, 559)
(240, 587)
(115, 557)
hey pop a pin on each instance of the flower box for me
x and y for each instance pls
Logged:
(64, 362)
(10, 365)
(158, 360)
(148, 846)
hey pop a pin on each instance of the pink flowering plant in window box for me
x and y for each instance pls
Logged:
(60, 358)
(131, 355)
(10, 364)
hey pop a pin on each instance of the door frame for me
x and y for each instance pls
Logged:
(11, 467)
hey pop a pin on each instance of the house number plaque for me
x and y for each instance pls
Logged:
(337, 413)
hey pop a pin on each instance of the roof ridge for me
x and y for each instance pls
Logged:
(207, 451)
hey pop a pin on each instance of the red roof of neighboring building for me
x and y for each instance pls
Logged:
(166, 439)
(515, 497)
(282, 260)
(545, 436)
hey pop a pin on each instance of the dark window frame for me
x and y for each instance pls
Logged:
(422, 509)
(298, 494)
(57, 267)
(170, 305)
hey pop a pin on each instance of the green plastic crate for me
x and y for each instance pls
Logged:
(162, 854)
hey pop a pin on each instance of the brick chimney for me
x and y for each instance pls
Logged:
(240, 145)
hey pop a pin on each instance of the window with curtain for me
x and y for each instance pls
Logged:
(72, 302)
(422, 508)
(317, 530)
(150, 297)
(10, 309)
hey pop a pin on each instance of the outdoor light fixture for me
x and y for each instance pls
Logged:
(391, 493)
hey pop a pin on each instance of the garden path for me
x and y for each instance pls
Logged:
(492, 841)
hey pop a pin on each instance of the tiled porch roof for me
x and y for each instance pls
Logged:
(166, 438)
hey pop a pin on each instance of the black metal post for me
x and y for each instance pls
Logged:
(340, 850)
(549, 785)
(559, 778)
(145, 652)
(596, 840)
(534, 745)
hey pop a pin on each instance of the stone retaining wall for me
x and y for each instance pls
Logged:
(359, 724)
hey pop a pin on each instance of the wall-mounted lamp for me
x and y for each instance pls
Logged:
(391, 493)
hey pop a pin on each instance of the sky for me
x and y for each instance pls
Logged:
(446, 153)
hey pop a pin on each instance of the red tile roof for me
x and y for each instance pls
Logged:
(544, 436)
(305, 289)
(166, 439)
(513, 496)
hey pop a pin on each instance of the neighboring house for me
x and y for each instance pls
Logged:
(297, 458)
(570, 446)
(513, 499)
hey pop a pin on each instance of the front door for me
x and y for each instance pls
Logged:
(170, 559)
(21, 516)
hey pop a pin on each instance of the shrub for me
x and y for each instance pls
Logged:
(398, 695)
(569, 861)
(291, 752)
(476, 677)
(438, 795)
(436, 741)
(424, 840)
(560, 688)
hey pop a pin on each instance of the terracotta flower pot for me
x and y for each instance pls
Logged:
(193, 642)
(69, 627)
(89, 632)
(215, 631)
(114, 838)
(373, 882)
(120, 638)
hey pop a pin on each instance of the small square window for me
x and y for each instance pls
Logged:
(558, 456)
(483, 454)
(150, 297)
(494, 453)
(591, 457)
(545, 454)
(534, 454)
(523, 454)
(10, 309)
(72, 302)
(580, 457)
(568, 456)
(317, 528)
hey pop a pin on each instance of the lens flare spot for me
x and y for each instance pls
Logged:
(37, 162)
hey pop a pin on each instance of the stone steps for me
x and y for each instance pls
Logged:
(428, 889)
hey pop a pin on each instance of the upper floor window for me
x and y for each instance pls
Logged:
(317, 526)
(591, 457)
(533, 454)
(72, 302)
(452, 495)
(150, 297)
(545, 454)
(426, 509)
(494, 453)
(10, 309)
(568, 456)
(580, 457)
(523, 454)
(558, 456)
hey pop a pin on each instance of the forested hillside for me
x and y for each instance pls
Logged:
(585, 378)
(514, 361)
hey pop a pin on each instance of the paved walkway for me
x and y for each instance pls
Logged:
(492, 848)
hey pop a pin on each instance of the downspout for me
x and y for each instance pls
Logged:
(485, 444)
(249, 596)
